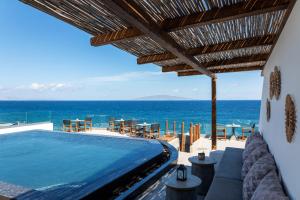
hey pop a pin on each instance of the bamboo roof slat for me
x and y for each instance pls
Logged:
(191, 24)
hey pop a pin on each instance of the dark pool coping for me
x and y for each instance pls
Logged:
(10, 191)
(141, 186)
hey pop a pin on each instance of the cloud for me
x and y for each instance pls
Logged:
(124, 77)
(44, 86)
(195, 89)
(50, 86)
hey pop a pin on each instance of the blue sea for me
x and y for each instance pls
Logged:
(228, 112)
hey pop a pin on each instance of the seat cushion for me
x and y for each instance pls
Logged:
(253, 137)
(269, 188)
(257, 172)
(252, 158)
(231, 164)
(252, 145)
(223, 188)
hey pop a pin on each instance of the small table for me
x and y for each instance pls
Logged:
(182, 190)
(205, 170)
(233, 127)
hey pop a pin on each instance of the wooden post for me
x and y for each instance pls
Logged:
(199, 130)
(191, 133)
(182, 137)
(213, 114)
(158, 132)
(167, 127)
(174, 128)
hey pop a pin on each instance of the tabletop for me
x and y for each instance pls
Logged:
(77, 120)
(233, 125)
(144, 124)
(191, 182)
(206, 161)
(119, 120)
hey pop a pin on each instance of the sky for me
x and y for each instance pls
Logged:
(43, 58)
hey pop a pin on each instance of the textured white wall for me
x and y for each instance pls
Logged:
(286, 55)
(37, 126)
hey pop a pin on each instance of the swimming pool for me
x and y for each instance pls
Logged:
(67, 166)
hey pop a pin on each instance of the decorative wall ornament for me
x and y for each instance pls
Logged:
(290, 118)
(271, 85)
(268, 106)
(276, 83)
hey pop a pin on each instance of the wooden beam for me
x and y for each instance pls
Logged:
(223, 70)
(133, 15)
(117, 36)
(226, 46)
(233, 61)
(216, 15)
(213, 114)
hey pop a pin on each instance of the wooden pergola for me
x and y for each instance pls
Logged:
(189, 37)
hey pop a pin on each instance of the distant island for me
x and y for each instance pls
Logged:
(162, 97)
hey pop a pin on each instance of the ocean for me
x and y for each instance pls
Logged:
(228, 112)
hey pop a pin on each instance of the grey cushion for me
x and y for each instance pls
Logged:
(231, 164)
(222, 188)
(253, 137)
(252, 158)
(257, 172)
(253, 145)
(269, 188)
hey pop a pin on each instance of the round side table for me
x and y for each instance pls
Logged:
(182, 190)
(204, 169)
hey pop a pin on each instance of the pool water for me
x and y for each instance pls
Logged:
(42, 160)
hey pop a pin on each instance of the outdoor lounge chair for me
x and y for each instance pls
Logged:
(86, 125)
(153, 132)
(68, 126)
(129, 126)
(221, 132)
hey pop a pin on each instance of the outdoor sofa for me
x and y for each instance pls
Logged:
(248, 173)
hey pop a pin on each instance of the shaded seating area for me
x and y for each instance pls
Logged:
(249, 173)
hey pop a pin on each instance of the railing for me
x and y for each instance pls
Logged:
(167, 125)
(22, 118)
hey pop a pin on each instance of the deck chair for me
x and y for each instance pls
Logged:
(68, 126)
(221, 132)
(86, 125)
(130, 126)
(111, 124)
(154, 131)
(246, 131)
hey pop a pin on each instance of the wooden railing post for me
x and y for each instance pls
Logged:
(191, 133)
(174, 128)
(167, 128)
(182, 137)
(213, 113)
(199, 130)
(158, 132)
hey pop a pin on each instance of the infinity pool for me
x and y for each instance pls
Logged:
(49, 161)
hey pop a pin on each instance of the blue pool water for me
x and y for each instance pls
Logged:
(238, 112)
(42, 160)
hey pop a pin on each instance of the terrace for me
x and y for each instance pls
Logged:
(189, 38)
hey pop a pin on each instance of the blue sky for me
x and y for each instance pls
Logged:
(42, 57)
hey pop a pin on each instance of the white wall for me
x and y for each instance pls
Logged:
(37, 126)
(286, 55)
